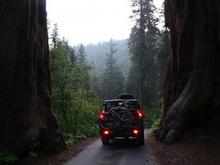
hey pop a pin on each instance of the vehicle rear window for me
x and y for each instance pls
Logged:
(127, 104)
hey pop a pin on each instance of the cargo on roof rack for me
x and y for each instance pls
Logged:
(125, 96)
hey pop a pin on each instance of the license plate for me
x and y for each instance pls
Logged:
(119, 137)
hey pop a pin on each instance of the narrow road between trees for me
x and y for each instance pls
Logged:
(126, 153)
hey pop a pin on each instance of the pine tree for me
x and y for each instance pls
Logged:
(112, 77)
(54, 35)
(63, 82)
(73, 56)
(81, 55)
(143, 48)
(83, 69)
(75, 106)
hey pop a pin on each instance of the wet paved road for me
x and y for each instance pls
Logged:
(116, 154)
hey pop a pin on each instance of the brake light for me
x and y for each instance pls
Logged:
(102, 115)
(106, 132)
(140, 113)
(136, 132)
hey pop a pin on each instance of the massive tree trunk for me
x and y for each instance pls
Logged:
(26, 116)
(192, 84)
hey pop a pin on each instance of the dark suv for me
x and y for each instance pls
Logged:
(121, 119)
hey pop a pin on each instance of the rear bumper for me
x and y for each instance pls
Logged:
(122, 133)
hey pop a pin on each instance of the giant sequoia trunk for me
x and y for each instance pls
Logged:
(25, 95)
(192, 84)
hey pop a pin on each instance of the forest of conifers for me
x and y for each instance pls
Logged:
(51, 92)
(84, 75)
(54, 92)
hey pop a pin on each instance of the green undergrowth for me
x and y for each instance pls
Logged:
(155, 126)
(153, 115)
(7, 158)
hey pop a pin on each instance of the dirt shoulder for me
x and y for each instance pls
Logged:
(197, 149)
(60, 158)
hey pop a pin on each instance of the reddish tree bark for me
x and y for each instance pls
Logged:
(192, 84)
(25, 93)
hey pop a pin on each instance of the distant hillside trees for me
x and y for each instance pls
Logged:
(96, 55)
(83, 69)
(112, 78)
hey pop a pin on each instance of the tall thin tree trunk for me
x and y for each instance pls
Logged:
(25, 93)
(192, 84)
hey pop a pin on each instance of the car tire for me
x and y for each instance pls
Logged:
(141, 139)
(105, 141)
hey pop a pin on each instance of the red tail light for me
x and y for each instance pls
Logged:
(106, 132)
(140, 113)
(102, 115)
(135, 132)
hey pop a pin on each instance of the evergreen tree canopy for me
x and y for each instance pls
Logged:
(83, 68)
(112, 77)
(143, 48)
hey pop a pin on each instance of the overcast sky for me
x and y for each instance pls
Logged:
(91, 21)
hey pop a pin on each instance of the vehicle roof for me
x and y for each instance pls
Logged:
(121, 100)
(126, 96)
